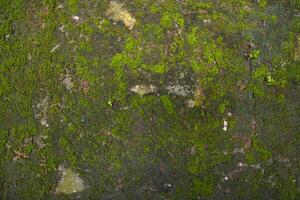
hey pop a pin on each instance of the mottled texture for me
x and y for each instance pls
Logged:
(152, 99)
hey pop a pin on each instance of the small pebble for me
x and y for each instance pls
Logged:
(225, 125)
(76, 18)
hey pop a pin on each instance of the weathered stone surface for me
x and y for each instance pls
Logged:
(70, 182)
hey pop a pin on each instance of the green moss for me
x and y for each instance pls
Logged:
(73, 6)
(168, 104)
(123, 59)
(158, 69)
(202, 188)
(154, 9)
(168, 20)
(3, 156)
(258, 153)
(288, 188)
(87, 46)
(192, 37)
(222, 108)
(131, 45)
(254, 54)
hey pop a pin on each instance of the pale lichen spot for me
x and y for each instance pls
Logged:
(198, 99)
(180, 90)
(143, 89)
(67, 80)
(118, 13)
(42, 110)
(70, 182)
